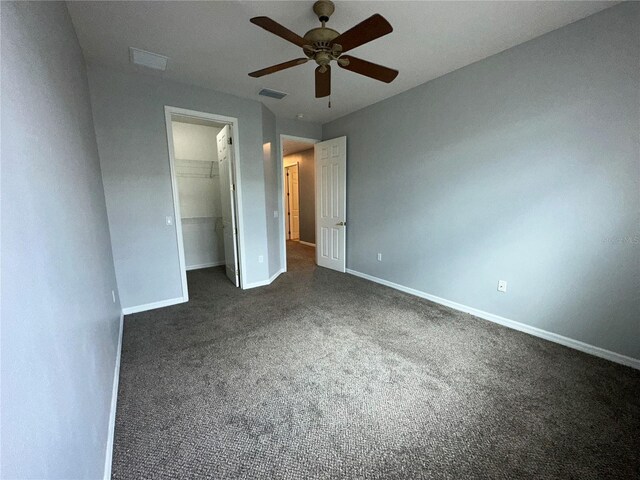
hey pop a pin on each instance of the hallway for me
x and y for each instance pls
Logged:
(300, 257)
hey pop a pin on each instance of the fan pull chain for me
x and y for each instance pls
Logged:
(329, 100)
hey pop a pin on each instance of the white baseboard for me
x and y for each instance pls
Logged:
(205, 265)
(308, 244)
(538, 332)
(276, 275)
(151, 306)
(263, 282)
(114, 400)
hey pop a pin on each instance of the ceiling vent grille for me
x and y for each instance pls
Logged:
(266, 92)
(148, 59)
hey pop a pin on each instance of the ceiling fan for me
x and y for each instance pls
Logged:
(325, 45)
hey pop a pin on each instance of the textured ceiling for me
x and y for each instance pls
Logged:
(294, 146)
(213, 44)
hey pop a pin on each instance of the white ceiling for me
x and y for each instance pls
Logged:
(294, 146)
(197, 121)
(213, 45)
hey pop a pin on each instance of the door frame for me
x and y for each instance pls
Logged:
(233, 122)
(281, 180)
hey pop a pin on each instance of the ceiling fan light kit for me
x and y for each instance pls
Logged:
(325, 45)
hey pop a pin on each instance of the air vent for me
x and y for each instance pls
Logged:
(148, 59)
(265, 92)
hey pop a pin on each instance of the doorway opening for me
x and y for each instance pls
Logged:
(292, 200)
(298, 200)
(205, 181)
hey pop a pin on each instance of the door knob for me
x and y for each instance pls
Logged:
(341, 224)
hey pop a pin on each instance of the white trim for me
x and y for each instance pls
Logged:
(281, 209)
(154, 305)
(233, 122)
(205, 265)
(176, 201)
(275, 275)
(263, 283)
(238, 191)
(308, 244)
(114, 400)
(537, 332)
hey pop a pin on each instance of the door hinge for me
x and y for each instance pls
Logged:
(233, 187)
(230, 141)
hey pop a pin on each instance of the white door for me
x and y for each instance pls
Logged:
(227, 198)
(293, 203)
(331, 202)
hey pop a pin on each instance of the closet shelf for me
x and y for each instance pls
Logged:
(197, 175)
(191, 220)
(196, 168)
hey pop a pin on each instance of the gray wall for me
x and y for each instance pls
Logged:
(298, 128)
(307, 197)
(523, 167)
(271, 188)
(128, 111)
(59, 324)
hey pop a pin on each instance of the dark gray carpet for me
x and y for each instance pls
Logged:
(325, 375)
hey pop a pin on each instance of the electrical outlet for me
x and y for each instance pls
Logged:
(113, 295)
(502, 286)
(379, 257)
(275, 214)
(260, 259)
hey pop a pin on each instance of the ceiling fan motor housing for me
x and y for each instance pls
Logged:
(319, 41)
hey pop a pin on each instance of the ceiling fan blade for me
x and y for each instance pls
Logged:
(368, 69)
(323, 82)
(277, 29)
(278, 67)
(373, 27)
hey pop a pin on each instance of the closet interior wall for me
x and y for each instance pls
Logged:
(196, 162)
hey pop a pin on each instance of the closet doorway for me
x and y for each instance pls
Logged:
(298, 201)
(205, 190)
